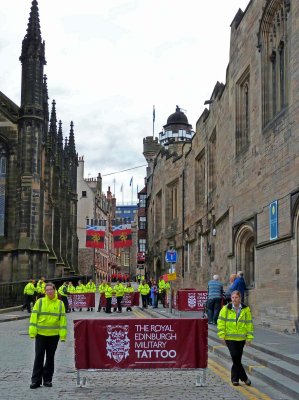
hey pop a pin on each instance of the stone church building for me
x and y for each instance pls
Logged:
(227, 197)
(38, 174)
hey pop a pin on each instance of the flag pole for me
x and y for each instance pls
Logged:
(154, 117)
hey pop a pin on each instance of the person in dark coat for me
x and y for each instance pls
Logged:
(239, 285)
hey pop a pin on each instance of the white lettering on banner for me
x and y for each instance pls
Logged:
(155, 336)
(156, 353)
(150, 345)
(151, 341)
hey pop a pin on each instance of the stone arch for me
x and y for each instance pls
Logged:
(296, 253)
(3, 184)
(245, 253)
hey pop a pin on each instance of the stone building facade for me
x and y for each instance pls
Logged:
(94, 204)
(229, 199)
(38, 177)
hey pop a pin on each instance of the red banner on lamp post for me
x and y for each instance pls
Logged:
(141, 343)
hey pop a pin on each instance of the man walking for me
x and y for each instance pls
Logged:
(215, 293)
(239, 285)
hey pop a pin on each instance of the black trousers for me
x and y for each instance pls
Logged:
(65, 301)
(44, 371)
(108, 305)
(235, 348)
(118, 300)
(28, 299)
(144, 300)
(214, 307)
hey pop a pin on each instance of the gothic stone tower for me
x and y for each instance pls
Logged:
(38, 200)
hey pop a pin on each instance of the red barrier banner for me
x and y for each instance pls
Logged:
(129, 300)
(191, 299)
(80, 300)
(141, 343)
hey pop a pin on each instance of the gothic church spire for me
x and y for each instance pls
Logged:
(33, 61)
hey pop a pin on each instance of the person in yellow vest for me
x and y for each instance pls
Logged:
(161, 292)
(102, 288)
(29, 293)
(90, 288)
(40, 286)
(80, 288)
(63, 293)
(129, 289)
(235, 328)
(47, 325)
(119, 290)
(71, 289)
(167, 290)
(144, 290)
(108, 297)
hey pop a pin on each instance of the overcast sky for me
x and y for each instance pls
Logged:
(110, 61)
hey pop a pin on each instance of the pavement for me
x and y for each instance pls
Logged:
(17, 354)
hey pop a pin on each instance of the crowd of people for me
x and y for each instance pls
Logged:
(152, 292)
(48, 322)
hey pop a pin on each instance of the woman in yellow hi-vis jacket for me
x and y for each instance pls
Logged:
(235, 327)
(47, 325)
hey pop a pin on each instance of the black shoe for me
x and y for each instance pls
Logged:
(34, 385)
(91, 309)
(88, 309)
(235, 383)
(247, 382)
(80, 309)
(99, 310)
(48, 384)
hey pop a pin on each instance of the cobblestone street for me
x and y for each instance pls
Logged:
(17, 352)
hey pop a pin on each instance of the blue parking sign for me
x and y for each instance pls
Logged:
(171, 256)
(273, 220)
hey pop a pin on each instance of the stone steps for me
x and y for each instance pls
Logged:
(278, 370)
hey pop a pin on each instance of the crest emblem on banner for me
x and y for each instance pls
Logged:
(191, 300)
(118, 343)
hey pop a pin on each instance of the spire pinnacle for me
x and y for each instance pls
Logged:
(71, 142)
(32, 42)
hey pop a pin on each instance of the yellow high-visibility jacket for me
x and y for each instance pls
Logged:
(71, 289)
(108, 292)
(161, 285)
(90, 287)
(48, 318)
(63, 290)
(119, 290)
(29, 289)
(102, 288)
(231, 328)
(129, 289)
(144, 289)
(80, 288)
(41, 287)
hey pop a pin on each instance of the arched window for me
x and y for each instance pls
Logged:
(245, 249)
(3, 168)
(242, 112)
(273, 44)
